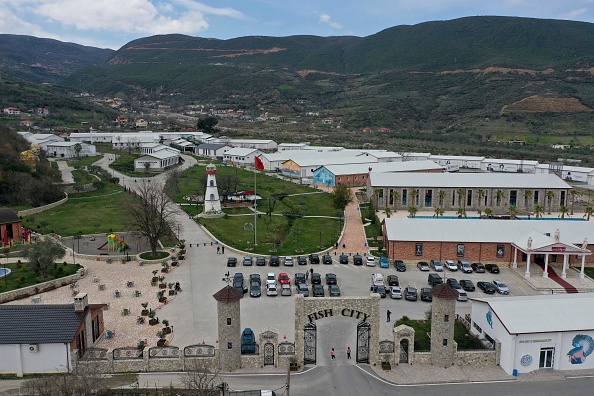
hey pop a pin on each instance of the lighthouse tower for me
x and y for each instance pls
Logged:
(212, 203)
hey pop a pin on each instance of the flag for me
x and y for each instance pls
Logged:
(258, 163)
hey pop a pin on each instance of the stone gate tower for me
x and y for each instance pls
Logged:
(228, 313)
(443, 317)
(212, 203)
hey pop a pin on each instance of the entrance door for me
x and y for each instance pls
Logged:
(546, 358)
(309, 355)
(268, 354)
(363, 342)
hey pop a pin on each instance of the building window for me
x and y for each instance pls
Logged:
(468, 197)
(453, 197)
(428, 198)
(460, 250)
(228, 321)
(446, 318)
(445, 342)
(229, 345)
(477, 327)
(419, 249)
(391, 197)
(562, 198)
(535, 195)
(404, 192)
(500, 251)
(513, 198)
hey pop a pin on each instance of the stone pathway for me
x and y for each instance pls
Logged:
(353, 238)
(66, 171)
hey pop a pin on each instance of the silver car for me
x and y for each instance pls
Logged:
(302, 289)
(436, 265)
(285, 289)
(289, 261)
(501, 287)
(395, 292)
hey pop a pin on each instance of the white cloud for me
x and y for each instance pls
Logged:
(327, 19)
(12, 24)
(205, 9)
(574, 13)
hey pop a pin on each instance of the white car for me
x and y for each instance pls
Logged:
(270, 279)
(395, 292)
(501, 287)
(377, 279)
(451, 265)
(285, 289)
(271, 290)
(370, 261)
(289, 261)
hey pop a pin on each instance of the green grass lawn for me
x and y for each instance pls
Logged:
(22, 276)
(94, 212)
(82, 177)
(84, 161)
(589, 271)
(462, 336)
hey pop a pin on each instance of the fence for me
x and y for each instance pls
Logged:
(27, 212)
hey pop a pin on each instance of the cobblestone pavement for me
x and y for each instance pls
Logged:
(353, 238)
(66, 171)
(426, 373)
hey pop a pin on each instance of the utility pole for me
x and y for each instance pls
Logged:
(288, 380)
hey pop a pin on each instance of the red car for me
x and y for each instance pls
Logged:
(283, 278)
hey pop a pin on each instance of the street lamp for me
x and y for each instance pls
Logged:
(6, 253)
(73, 256)
(320, 239)
(78, 242)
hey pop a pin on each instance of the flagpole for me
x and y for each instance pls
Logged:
(255, 211)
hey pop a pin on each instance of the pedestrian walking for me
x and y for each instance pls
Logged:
(306, 275)
(223, 249)
(348, 352)
(344, 246)
(389, 313)
(218, 249)
(311, 271)
(333, 354)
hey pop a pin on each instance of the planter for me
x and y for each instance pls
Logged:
(172, 292)
(294, 367)
(161, 342)
(162, 285)
(154, 321)
(166, 330)
(386, 366)
(163, 299)
(144, 312)
(164, 270)
(155, 279)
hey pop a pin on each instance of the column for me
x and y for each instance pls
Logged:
(545, 274)
(515, 265)
(582, 270)
(564, 272)
(527, 274)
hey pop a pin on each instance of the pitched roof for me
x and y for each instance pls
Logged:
(444, 291)
(212, 146)
(382, 167)
(241, 152)
(8, 216)
(228, 294)
(38, 324)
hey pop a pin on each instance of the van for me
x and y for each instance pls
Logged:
(462, 296)
(434, 279)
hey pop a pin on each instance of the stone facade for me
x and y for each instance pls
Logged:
(40, 209)
(229, 324)
(404, 333)
(359, 308)
(443, 318)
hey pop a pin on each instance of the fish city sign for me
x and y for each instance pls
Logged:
(348, 312)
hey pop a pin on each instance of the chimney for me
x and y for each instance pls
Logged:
(81, 302)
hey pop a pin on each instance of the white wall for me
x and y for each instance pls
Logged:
(17, 359)
(497, 332)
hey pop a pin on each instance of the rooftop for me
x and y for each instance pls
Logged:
(238, 151)
(381, 167)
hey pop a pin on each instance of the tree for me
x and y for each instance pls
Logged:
(200, 377)
(588, 212)
(147, 166)
(388, 211)
(341, 197)
(572, 194)
(395, 198)
(207, 124)
(412, 211)
(538, 211)
(438, 212)
(563, 211)
(550, 195)
(528, 194)
(43, 254)
(441, 194)
(461, 212)
(172, 182)
(77, 150)
(376, 194)
(480, 194)
(460, 193)
(498, 196)
(488, 212)
(151, 214)
(414, 194)
(513, 212)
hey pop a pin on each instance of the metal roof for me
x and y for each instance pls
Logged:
(322, 160)
(468, 180)
(543, 313)
(509, 161)
(241, 152)
(212, 146)
(484, 230)
(381, 167)
(38, 324)
(161, 154)
(456, 157)
(568, 168)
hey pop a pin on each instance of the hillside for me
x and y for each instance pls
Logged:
(41, 60)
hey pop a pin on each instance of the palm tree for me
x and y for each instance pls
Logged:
(460, 193)
(538, 211)
(480, 194)
(388, 211)
(438, 212)
(488, 212)
(528, 194)
(461, 213)
(550, 195)
(563, 211)
(412, 211)
(499, 196)
(513, 211)
(572, 194)
(589, 211)
(441, 194)
(395, 198)
(376, 197)
(414, 194)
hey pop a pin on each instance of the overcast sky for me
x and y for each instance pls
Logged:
(113, 23)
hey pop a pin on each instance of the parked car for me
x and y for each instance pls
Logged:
(302, 289)
(270, 279)
(255, 289)
(316, 279)
(271, 290)
(274, 261)
(331, 279)
(301, 260)
(462, 296)
(377, 279)
(357, 259)
(285, 289)
(384, 262)
(423, 266)
(240, 286)
(247, 260)
(299, 278)
(317, 290)
(283, 278)
(487, 287)
(333, 290)
(467, 285)
(410, 294)
(231, 261)
(343, 259)
(288, 261)
(326, 259)
(399, 265)
(434, 279)
(464, 266)
(436, 265)
(248, 341)
(395, 292)
(255, 278)
(492, 268)
(501, 287)
(392, 280)
(379, 289)
(314, 258)
(478, 268)
(451, 265)
(260, 261)
(426, 294)
(370, 261)
(454, 283)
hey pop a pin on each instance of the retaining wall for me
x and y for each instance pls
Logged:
(29, 291)
(40, 209)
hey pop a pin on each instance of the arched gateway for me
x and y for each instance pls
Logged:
(363, 310)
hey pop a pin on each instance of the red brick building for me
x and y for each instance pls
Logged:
(10, 226)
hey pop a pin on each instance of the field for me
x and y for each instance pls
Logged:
(423, 330)
(22, 276)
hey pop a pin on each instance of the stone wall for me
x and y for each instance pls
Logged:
(420, 358)
(29, 291)
(83, 188)
(40, 209)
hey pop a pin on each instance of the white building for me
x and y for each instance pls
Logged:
(260, 144)
(461, 161)
(213, 150)
(11, 111)
(133, 140)
(536, 332)
(68, 149)
(569, 173)
(508, 165)
(157, 160)
(41, 139)
(241, 156)
(415, 156)
(382, 155)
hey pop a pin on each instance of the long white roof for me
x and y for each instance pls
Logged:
(352, 169)
(568, 168)
(455, 157)
(468, 180)
(543, 313)
(240, 152)
(484, 230)
(509, 161)
(321, 160)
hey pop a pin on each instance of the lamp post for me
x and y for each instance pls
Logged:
(178, 232)
(73, 256)
(78, 242)
(6, 253)
(320, 239)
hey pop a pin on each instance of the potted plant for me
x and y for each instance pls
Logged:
(161, 296)
(386, 366)
(171, 290)
(174, 262)
(165, 266)
(162, 284)
(153, 320)
(144, 311)
(166, 329)
(181, 257)
(155, 278)
(162, 341)
(141, 345)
